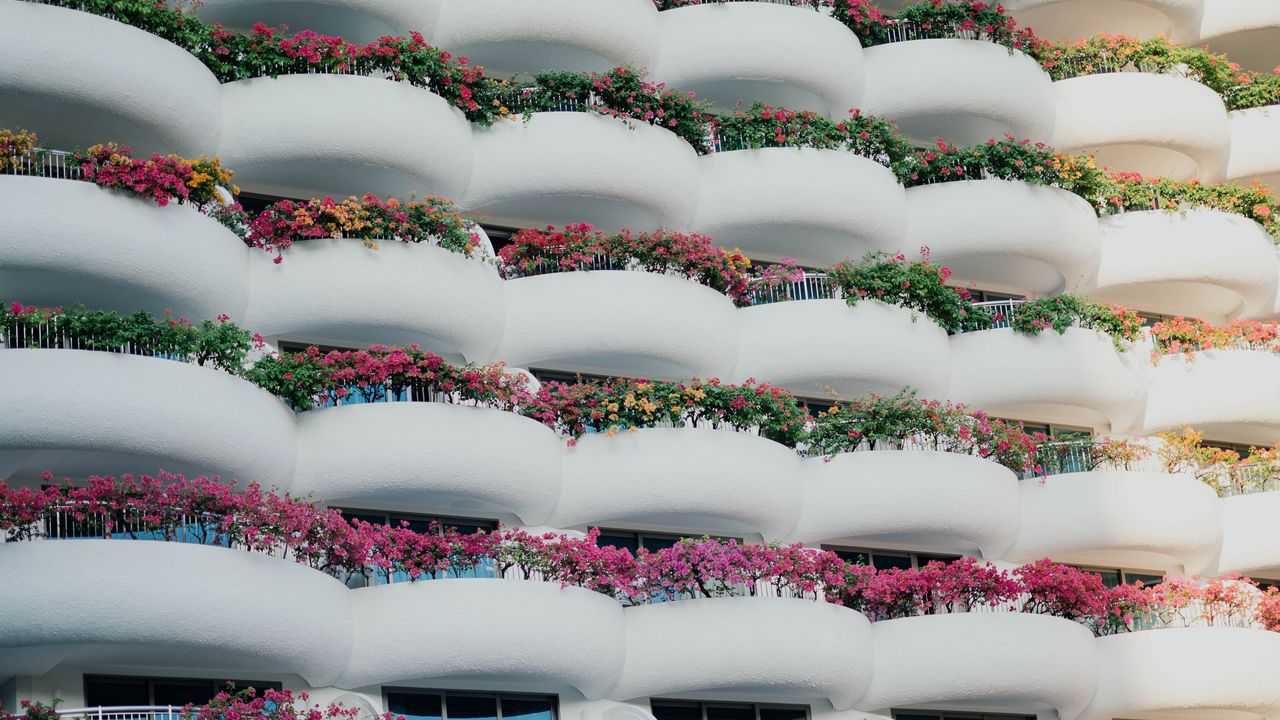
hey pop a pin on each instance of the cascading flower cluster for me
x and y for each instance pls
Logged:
(203, 511)
(15, 145)
(582, 247)
(903, 420)
(1060, 312)
(1192, 335)
(918, 285)
(1132, 191)
(431, 219)
(1006, 159)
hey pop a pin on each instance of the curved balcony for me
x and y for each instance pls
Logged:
(1157, 125)
(774, 648)
(428, 456)
(569, 167)
(1229, 395)
(1199, 263)
(382, 137)
(142, 611)
(514, 36)
(986, 91)
(1250, 544)
(530, 632)
(711, 480)
(1177, 672)
(783, 55)
(1121, 519)
(1003, 235)
(1006, 373)
(1255, 145)
(113, 82)
(1074, 19)
(359, 21)
(981, 659)
(794, 203)
(820, 348)
(619, 322)
(63, 242)
(398, 294)
(1248, 31)
(914, 498)
(77, 412)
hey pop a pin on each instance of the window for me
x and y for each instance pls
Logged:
(814, 406)
(449, 705)
(1112, 577)
(254, 203)
(563, 377)
(690, 710)
(979, 296)
(1149, 319)
(633, 540)
(298, 347)
(885, 559)
(118, 691)
(499, 235)
(420, 523)
(934, 715)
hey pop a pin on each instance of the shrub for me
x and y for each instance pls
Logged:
(1131, 191)
(1007, 159)
(945, 19)
(1061, 312)
(1191, 335)
(917, 285)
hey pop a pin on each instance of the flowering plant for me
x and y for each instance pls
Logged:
(967, 18)
(14, 146)
(431, 219)
(1191, 335)
(917, 285)
(878, 422)
(220, 344)
(269, 705)
(1006, 159)
(160, 178)
(1131, 191)
(764, 126)
(1065, 311)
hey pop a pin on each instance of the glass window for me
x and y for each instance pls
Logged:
(676, 711)
(521, 708)
(110, 691)
(622, 541)
(856, 557)
(1144, 578)
(472, 707)
(415, 706)
(179, 692)
(420, 523)
(884, 561)
(731, 712)
(107, 692)
(634, 540)
(783, 713)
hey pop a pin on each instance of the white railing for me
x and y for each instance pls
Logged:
(810, 286)
(124, 712)
(1001, 311)
(42, 163)
(55, 335)
(902, 31)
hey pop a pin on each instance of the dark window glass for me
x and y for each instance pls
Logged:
(654, 544)
(857, 557)
(116, 692)
(470, 707)
(1143, 578)
(414, 706)
(526, 709)
(777, 713)
(906, 716)
(467, 527)
(731, 712)
(418, 525)
(881, 561)
(676, 711)
(371, 518)
(622, 542)
(179, 692)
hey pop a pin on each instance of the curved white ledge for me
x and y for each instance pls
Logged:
(78, 80)
(1198, 263)
(515, 36)
(1185, 671)
(763, 647)
(1075, 19)
(1157, 125)
(1255, 145)
(986, 91)
(1122, 519)
(359, 21)
(619, 322)
(1077, 378)
(571, 167)
(1003, 235)
(63, 242)
(1247, 31)
(1229, 395)
(142, 612)
(1250, 544)
(821, 348)
(398, 294)
(681, 479)
(287, 136)
(915, 498)
(794, 203)
(77, 412)
(982, 659)
(785, 56)
(428, 457)
(529, 632)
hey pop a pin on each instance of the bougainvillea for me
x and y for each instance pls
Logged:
(1131, 191)
(431, 219)
(903, 420)
(1060, 312)
(1007, 159)
(917, 285)
(1192, 335)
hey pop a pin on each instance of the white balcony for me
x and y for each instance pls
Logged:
(1250, 545)
(965, 90)
(711, 480)
(1248, 31)
(398, 294)
(912, 498)
(423, 456)
(65, 241)
(777, 649)
(783, 55)
(358, 21)
(1255, 145)
(307, 136)
(1003, 235)
(795, 203)
(1229, 395)
(1156, 125)
(1074, 19)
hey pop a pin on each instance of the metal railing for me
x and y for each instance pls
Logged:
(531, 98)
(1104, 64)
(810, 286)
(1001, 311)
(673, 4)
(599, 261)
(42, 163)
(124, 712)
(901, 31)
(82, 522)
(55, 335)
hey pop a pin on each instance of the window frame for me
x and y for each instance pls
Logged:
(395, 516)
(702, 705)
(216, 684)
(915, 556)
(444, 695)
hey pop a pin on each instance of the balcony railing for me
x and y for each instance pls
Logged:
(57, 335)
(901, 31)
(531, 98)
(1062, 458)
(83, 522)
(124, 712)
(1001, 311)
(810, 286)
(42, 163)
(818, 5)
